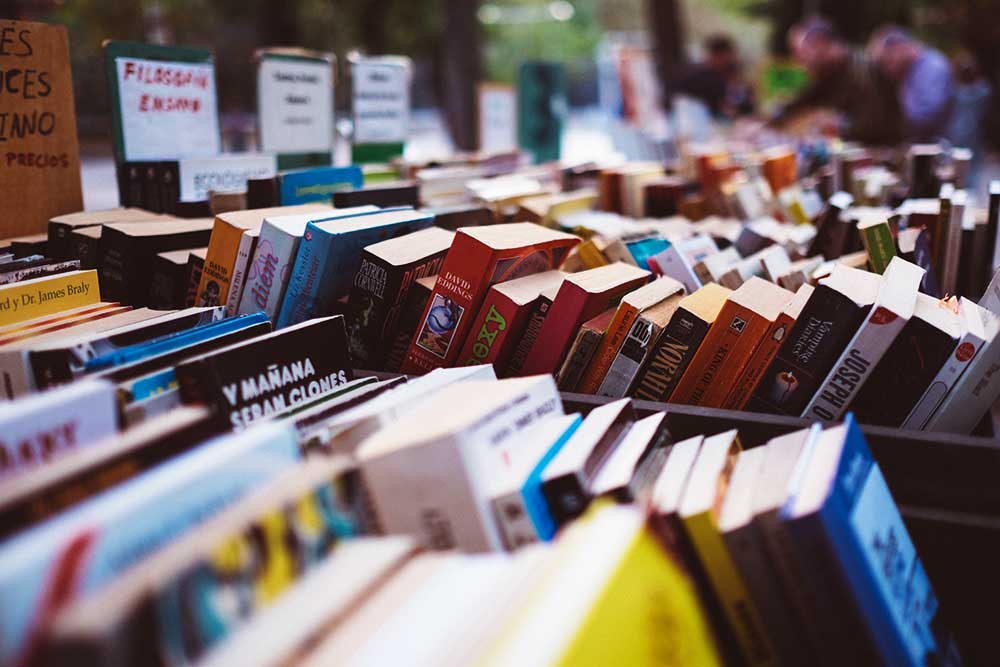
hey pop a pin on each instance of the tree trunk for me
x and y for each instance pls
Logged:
(667, 29)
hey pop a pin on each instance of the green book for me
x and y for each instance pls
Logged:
(876, 235)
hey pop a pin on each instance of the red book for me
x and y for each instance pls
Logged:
(479, 258)
(582, 296)
(501, 320)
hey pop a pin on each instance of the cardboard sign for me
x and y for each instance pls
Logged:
(381, 88)
(163, 102)
(497, 118)
(295, 101)
(39, 153)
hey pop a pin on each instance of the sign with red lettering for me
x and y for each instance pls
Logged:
(163, 101)
(39, 152)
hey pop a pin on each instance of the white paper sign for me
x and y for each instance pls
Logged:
(295, 105)
(169, 109)
(497, 118)
(199, 176)
(381, 102)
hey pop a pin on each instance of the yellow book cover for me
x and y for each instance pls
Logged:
(590, 254)
(44, 296)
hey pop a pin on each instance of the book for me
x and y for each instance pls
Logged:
(61, 227)
(127, 250)
(38, 297)
(248, 381)
(168, 286)
(581, 296)
(229, 249)
(766, 351)
(877, 237)
(907, 369)
(383, 195)
(583, 349)
(39, 269)
(248, 244)
(748, 316)
(844, 507)
(317, 184)
(714, 266)
(679, 342)
(699, 512)
(195, 179)
(329, 256)
(539, 312)
(629, 309)
(388, 269)
(499, 325)
(119, 527)
(892, 309)
(463, 215)
(831, 229)
(973, 321)
(953, 243)
(274, 257)
(50, 426)
(425, 477)
(825, 326)
(568, 478)
(479, 258)
(643, 438)
(638, 346)
(416, 301)
(196, 263)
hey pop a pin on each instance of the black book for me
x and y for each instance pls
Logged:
(409, 320)
(542, 306)
(252, 380)
(829, 320)
(831, 230)
(61, 227)
(914, 246)
(262, 192)
(170, 186)
(171, 272)
(985, 244)
(567, 479)
(36, 270)
(85, 246)
(384, 195)
(152, 190)
(909, 365)
(127, 251)
(36, 244)
(923, 159)
(196, 262)
(130, 175)
(193, 209)
(453, 217)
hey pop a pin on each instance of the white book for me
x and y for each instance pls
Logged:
(712, 268)
(893, 307)
(198, 177)
(247, 243)
(991, 297)
(680, 258)
(274, 257)
(973, 320)
(52, 424)
(617, 472)
(427, 472)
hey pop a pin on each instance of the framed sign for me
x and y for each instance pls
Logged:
(497, 118)
(295, 109)
(163, 101)
(380, 102)
(39, 151)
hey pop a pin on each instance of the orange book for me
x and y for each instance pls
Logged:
(779, 168)
(745, 319)
(631, 306)
(765, 352)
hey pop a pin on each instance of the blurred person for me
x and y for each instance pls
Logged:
(924, 83)
(718, 80)
(973, 100)
(845, 80)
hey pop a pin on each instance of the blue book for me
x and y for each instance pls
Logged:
(311, 185)
(330, 254)
(643, 249)
(844, 505)
(534, 500)
(173, 342)
(74, 553)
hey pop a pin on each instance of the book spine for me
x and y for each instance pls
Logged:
(611, 343)
(966, 350)
(579, 356)
(762, 356)
(16, 373)
(114, 250)
(879, 245)
(531, 333)
(195, 266)
(515, 523)
(240, 269)
(39, 271)
(631, 356)
(20, 302)
(374, 284)
(973, 395)
(566, 496)
(672, 354)
(152, 190)
(491, 330)
(223, 248)
(416, 301)
(302, 280)
(170, 190)
(268, 273)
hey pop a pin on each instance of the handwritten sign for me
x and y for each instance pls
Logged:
(497, 118)
(39, 153)
(295, 103)
(381, 99)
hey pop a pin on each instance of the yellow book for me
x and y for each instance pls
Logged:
(591, 255)
(44, 296)
(616, 598)
(699, 512)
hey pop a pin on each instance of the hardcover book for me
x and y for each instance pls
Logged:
(500, 323)
(679, 342)
(892, 309)
(479, 258)
(387, 271)
(329, 256)
(38, 297)
(582, 296)
(583, 349)
(825, 326)
(253, 379)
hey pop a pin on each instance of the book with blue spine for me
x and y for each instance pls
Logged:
(534, 500)
(844, 503)
(318, 184)
(74, 553)
(642, 249)
(330, 254)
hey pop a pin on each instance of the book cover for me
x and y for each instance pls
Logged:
(329, 256)
(829, 319)
(582, 296)
(583, 349)
(831, 231)
(168, 286)
(248, 244)
(416, 301)
(40, 270)
(536, 507)
(37, 297)
(877, 238)
(538, 314)
(679, 259)
(318, 184)
(85, 245)
(196, 262)
(61, 227)
(479, 258)
(892, 309)
(388, 270)
(274, 257)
